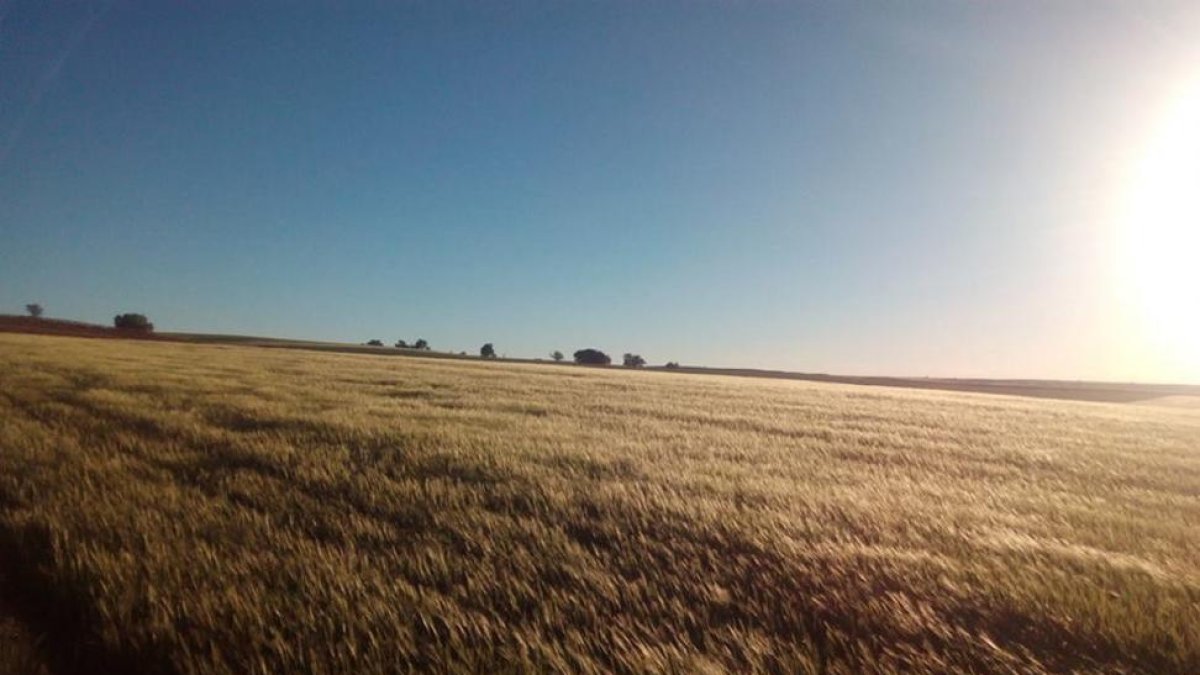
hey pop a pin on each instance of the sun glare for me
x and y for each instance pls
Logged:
(1161, 242)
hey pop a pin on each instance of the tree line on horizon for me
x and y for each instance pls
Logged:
(130, 321)
(419, 343)
(588, 356)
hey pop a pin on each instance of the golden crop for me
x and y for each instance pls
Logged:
(217, 509)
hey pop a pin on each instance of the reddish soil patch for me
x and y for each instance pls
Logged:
(26, 324)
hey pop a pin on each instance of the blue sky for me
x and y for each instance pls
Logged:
(875, 188)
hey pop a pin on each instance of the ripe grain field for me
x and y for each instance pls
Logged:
(214, 509)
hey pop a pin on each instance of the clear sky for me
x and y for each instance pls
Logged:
(916, 188)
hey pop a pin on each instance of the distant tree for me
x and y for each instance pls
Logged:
(374, 343)
(672, 365)
(420, 344)
(593, 357)
(487, 351)
(633, 360)
(133, 322)
(557, 355)
(401, 344)
(35, 310)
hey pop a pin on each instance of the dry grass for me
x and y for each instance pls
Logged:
(202, 509)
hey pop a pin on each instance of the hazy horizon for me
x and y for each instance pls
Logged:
(967, 190)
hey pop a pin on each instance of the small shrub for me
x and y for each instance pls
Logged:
(593, 357)
(133, 322)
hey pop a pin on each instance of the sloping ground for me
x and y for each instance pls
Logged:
(1185, 402)
(62, 327)
(1111, 392)
(201, 509)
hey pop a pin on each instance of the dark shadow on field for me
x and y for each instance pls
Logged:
(21, 649)
(58, 614)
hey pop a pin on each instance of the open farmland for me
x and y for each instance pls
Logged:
(209, 509)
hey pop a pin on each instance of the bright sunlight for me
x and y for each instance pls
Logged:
(1162, 235)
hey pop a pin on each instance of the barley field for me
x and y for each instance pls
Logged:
(173, 508)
